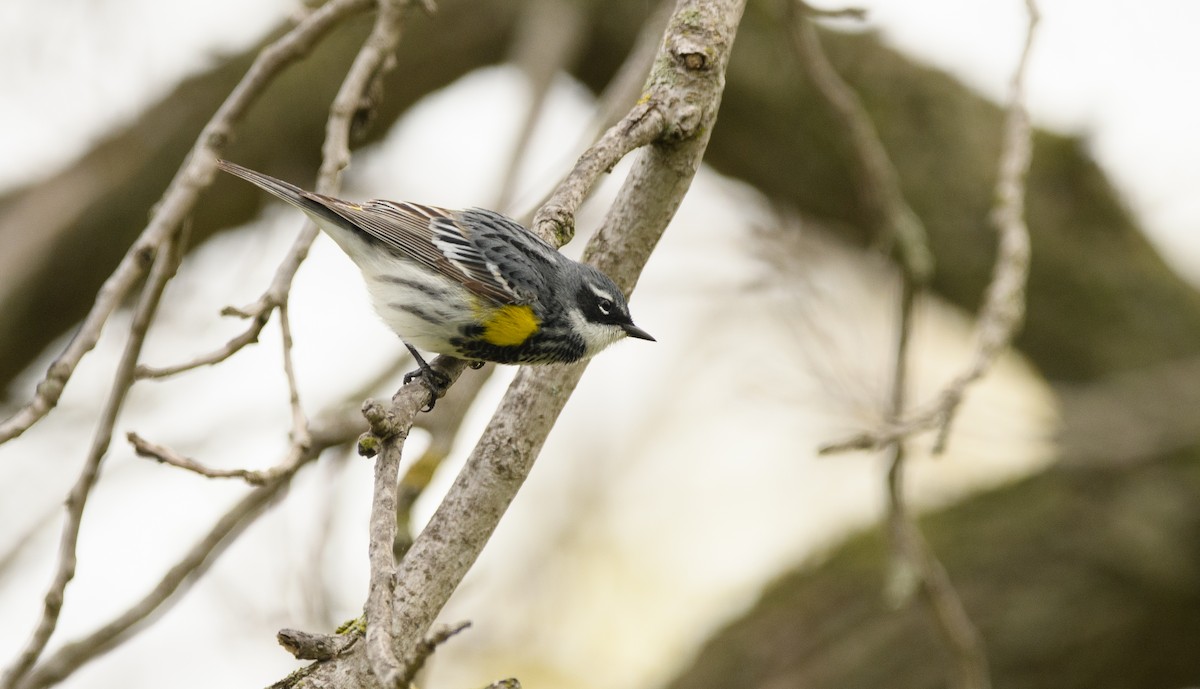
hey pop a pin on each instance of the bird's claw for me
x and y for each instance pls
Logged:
(436, 381)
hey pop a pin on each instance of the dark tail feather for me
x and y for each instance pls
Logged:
(310, 203)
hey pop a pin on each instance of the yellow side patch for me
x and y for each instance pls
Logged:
(509, 326)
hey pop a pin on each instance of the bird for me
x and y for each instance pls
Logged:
(471, 284)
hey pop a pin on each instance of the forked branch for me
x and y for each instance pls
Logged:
(1003, 307)
(177, 202)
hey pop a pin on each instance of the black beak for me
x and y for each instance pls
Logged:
(634, 331)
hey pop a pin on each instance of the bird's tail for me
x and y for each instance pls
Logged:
(313, 204)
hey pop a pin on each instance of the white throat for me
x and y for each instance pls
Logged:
(596, 336)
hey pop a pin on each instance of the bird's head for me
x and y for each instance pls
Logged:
(598, 310)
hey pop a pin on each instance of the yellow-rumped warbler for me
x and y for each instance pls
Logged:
(472, 284)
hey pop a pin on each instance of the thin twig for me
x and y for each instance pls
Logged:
(1003, 308)
(623, 90)
(165, 455)
(915, 563)
(916, 566)
(335, 427)
(416, 660)
(328, 430)
(164, 267)
(180, 197)
(555, 220)
(299, 420)
(878, 181)
(374, 59)
(233, 346)
(1004, 301)
(371, 62)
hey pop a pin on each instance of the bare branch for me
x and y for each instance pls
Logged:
(165, 263)
(878, 181)
(378, 609)
(74, 655)
(914, 562)
(555, 220)
(327, 431)
(371, 62)
(111, 294)
(233, 346)
(442, 426)
(917, 565)
(617, 99)
(165, 455)
(416, 660)
(181, 195)
(299, 420)
(1004, 301)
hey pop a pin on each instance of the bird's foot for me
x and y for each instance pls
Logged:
(435, 380)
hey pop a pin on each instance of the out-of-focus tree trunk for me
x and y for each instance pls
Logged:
(1079, 578)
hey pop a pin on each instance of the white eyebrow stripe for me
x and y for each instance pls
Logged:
(600, 292)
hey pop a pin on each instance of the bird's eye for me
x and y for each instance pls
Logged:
(605, 306)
